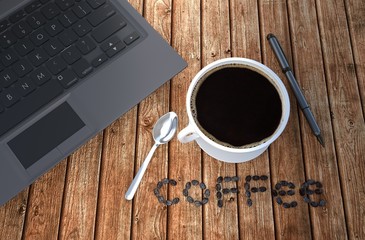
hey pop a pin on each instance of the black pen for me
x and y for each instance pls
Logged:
(274, 43)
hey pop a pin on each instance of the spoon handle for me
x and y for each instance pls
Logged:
(137, 179)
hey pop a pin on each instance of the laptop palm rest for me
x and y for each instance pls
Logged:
(50, 131)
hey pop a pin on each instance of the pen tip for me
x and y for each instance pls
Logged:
(320, 140)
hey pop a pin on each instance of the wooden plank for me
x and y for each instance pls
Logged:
(138, 5)
(356, 21)
(12, 216)
(149, 217)
(114, 212)
(258, 220)
(286, 157)
(185, 220)
(45, 203)
(219, 223)
(81, 192)
(347, 116)
(321, 163)
(245, 29)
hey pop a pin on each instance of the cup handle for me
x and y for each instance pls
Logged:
(187, 134)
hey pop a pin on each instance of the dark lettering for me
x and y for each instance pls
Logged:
(251, 186)
(282, 190)
(310, 188)
(160, 198)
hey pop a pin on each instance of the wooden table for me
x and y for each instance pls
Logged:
(83, 196)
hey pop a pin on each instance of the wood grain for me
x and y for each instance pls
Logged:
(150, 217)
(320, 162)
(346, 108)
(114, 213)
(81, 192)
(245, 29)
(138, 5)
(286, 156)
(355, 10)
(45, 204)
(12, 216)
(185, 220)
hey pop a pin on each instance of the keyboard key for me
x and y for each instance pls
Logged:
(24, 47)
(8, 57)
(114, 50)
(99, 60)
(17, 16)
(71, 55)
(68, 37)
(82, 27)
(21, 29)
(4, 24)
(131, 38)
(82, 68)
(100, 15)
(22, 68)
(35, 101)
(56, 65)
(81, 9)
(7, 77)
(33, 6)
(39, 37)
(107, 28)
(86, 45)
(40, 76)
(68, 18)
(8, 97)
(37, 57)
(67, 78)
(53, 47)
(36, 20)
(65, 4)
(109, 43)
(50, 11)
(53, 27)
(24, 87)
(49, 37)
(7, 39)
(95, 3)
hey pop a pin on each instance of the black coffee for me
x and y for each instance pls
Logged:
(236, 107)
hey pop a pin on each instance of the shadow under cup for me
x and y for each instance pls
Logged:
(237, 107)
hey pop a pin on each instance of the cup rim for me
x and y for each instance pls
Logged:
(265, 71)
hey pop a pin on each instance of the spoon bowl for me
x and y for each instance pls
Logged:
(163, 131)
(165, 128)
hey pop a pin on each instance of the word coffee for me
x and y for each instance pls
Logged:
(282, 189)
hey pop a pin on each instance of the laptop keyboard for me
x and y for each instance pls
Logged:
(49, 46)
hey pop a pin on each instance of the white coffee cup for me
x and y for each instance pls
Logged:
(219, 151)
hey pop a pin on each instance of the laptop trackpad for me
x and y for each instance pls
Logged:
(46, 134)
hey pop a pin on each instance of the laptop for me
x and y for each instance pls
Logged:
(68, 69)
